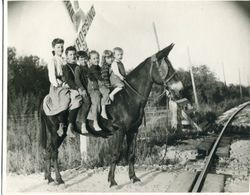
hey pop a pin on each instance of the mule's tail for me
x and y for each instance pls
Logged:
(42, 130)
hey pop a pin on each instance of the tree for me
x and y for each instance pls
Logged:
(27, 81)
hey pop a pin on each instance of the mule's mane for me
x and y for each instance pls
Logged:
(136, 70)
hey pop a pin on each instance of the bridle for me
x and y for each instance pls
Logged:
(153, 61)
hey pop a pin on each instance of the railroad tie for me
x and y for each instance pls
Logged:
(184, 182)
(213, 183)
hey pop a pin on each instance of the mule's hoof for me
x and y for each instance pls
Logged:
(113, 183)
(60, 181)
(50, 179)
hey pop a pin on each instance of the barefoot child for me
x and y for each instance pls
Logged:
(75, 97)
(93, 88)
(118, 72)
(104, 84)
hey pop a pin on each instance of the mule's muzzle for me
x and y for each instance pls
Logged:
(175, 88)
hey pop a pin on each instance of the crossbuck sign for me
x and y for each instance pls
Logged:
(78, 18)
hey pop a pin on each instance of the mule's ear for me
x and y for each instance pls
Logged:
(168, 49)
(165, 51)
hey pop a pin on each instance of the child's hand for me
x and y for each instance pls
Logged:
(64, 61)
(82, 93)
(59, 82)
(65, 85)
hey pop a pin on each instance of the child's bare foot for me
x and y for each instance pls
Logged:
(84, 129)
(111, 97)
(60, 130)
(96, 126)
(104, 113)
(70, 131)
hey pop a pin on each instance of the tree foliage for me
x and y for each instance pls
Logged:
(27, 82)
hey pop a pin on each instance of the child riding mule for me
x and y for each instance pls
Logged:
(126, 112)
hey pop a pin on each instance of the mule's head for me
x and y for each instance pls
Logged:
(163, 73)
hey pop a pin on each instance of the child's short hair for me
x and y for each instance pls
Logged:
(106, 53)
(118, 49)
(57, 41)
(82, 54)
(70, 48)
(93, 52)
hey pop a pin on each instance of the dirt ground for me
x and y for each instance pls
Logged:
(152, 180)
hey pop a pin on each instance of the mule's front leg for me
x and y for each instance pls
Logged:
(131, 144)
(47, 175)
(57, 172)
(115, 158)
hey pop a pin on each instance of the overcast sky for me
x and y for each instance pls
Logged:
(215, 32)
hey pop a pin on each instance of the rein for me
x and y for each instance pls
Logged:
(134, 90)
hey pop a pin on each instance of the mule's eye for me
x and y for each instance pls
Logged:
(163, 69)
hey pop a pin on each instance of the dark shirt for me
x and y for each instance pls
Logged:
(69, 75)
(121, 68)
(81, 77)
(95, 73)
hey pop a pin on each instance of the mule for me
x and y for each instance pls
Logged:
(125, 113)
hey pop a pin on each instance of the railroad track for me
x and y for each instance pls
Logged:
(204, 180)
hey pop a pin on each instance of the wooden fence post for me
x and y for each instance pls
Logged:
(37, 123)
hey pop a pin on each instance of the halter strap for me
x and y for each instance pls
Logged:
(154, 60)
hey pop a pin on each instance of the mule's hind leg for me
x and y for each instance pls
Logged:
(48, 150)
(116, 157)
(131, 144)
(56, 144)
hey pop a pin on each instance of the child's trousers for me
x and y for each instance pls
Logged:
(95, 98)
(105, 93)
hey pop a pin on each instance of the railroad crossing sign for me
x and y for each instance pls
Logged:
(81, 24)
(79, 18)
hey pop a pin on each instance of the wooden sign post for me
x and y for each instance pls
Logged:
(78, 18)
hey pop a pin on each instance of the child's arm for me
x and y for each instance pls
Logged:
(116, 71)
(52, 73)
(68, 79)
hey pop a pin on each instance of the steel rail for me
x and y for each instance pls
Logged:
(199, 182)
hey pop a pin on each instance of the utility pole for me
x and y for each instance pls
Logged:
(248, 84)
(193, 82)
(156, 37)
(158, 47)
(224, 74)
(240, 85)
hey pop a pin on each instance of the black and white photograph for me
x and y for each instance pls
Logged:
(126, 96)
